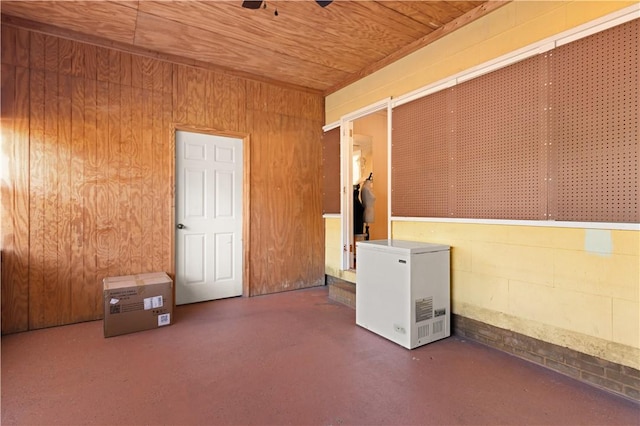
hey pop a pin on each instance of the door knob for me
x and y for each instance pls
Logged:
(180, 226)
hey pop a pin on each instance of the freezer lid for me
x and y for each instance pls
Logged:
(401, 246)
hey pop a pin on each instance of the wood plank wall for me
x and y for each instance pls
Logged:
(88, 189)
(285, 126)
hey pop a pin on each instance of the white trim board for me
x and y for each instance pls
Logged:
(331, 215)
(539, 223)
(331, 126)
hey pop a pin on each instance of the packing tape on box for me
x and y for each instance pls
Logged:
(140, 284)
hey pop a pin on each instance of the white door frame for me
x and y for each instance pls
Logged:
(246, 174)
(346, 180)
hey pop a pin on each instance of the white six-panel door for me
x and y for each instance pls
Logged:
(208, 217)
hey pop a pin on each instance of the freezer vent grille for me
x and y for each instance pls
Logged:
(438, 327)
(424, 309)
(423, 331)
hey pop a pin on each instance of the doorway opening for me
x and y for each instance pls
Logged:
(365, 141)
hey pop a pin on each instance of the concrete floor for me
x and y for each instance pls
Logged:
(291, 358)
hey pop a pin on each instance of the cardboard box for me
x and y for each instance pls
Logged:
(137, 302)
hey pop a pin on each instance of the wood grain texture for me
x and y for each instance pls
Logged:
(23, 39)
(15, 46)
(304, 45)
(169, 59)
(136, 179)
(286, 203)
(268, 35)
(111, 230)
(87, 294)
(246, 213)
(21, 200)
(168, 183)
(101, 181)
(51, 53)
(269, 98)
(125, 222)
(197, 107)
(157, 154)
(114, 72)
(8, 45)
(196, 43)
(62, 312)
(90, 69)
(430, 37)
(98, 150)
(36, 196)
(65, 54)
(36, 51)
(21, 219)
(110, 19)
(14, 212)
(179, 99)
(52, 294)
(126, 69)
(147, 149)
(77, 59)
(7, 190)
(102, 64)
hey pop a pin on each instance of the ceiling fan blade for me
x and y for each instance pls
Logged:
(250, 4)
(324, 3)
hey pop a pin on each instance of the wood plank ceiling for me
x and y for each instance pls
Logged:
(304, 45)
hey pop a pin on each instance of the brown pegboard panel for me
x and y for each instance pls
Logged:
(331, 171)
(500, 143)
(594, 127)
(419, 158)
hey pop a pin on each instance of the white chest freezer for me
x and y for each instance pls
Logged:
(403, 290)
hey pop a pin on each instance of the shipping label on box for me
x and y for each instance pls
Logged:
(137, 302)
